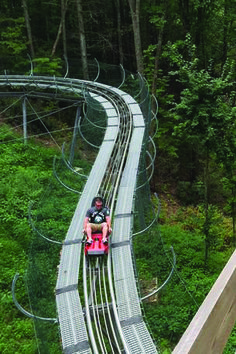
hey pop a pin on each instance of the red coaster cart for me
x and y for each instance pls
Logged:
(97, 247)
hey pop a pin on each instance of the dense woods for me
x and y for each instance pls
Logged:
(186, 51)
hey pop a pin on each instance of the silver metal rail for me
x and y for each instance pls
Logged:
(92, 187)
(134, 329)
(109, 190)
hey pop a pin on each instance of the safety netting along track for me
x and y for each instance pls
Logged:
(120, 153)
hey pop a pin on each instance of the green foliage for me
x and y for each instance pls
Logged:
(47, 66)
(204, 113)
(200, 130)
(196, 97)
(12, 38)
(203, 124)
(179, 300)
(26, 175)
(231, 345)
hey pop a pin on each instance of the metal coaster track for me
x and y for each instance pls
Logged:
(112, 303)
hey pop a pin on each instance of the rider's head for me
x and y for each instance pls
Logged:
(98, 202)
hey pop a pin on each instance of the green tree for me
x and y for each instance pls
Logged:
(135, 15)
(226, 158)
(202, 118)
(82, 39)
(13, 42)
(28, 27)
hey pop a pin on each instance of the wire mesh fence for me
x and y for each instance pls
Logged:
(51, 216)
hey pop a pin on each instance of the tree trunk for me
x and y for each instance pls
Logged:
(206, 225)
(158, 53)
(225, 33)
(184, 9)
(57, 39)
(82, 40)
(135, 10)
(121, 54)
(60, 28)
(234, 216)
(63, 22)
(28, 27)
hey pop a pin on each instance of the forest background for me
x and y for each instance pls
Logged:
(186, 50)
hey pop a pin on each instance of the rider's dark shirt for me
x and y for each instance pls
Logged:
(97, 216)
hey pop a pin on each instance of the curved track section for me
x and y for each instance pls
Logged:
(128, 304)
(114, 174)
(71, 317)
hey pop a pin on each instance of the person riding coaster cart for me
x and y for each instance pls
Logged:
(97, 228)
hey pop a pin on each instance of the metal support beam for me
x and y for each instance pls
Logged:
(75, 133)
(24, 120)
